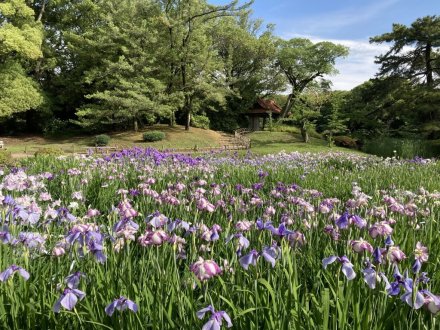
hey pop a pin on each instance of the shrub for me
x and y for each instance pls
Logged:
(55, 127)
(102, 140)
(200, 121)
(49, 152)
(6, 158)
(153, 136)
(345, 141)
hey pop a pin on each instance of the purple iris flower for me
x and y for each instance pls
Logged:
(342, 222)
(64, 214)
(389, 241)
(249, 259)
(280, 231)
(120, 304)
(11, 270)
(5, 236)
(158, 220)
(243, 242)
(178, 224)
(96, 249)
(415, 301)
(378, 255)
(370, 275)
(215, 321)
(417, 266)
(393, 289)
(68, 299)
(270, 254)
(358, 221)
(8, 200)
(122, 224)
(347, 266)
(261, 226)
(72, 280)
(432, 302)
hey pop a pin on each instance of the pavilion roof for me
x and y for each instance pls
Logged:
(262, 106)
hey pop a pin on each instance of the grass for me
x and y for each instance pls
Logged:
(265, 142)
(176, 138)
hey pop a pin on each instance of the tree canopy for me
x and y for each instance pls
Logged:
(21, 37)
(415, 51)
(304, 62)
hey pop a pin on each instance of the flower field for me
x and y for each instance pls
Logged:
(147, 240)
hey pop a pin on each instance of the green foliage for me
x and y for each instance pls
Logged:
(153, 136)
(345, 141)
(18, 91)
(102, 140)
(200, 121)
(42, 152)
(20, 46)
(122, 85)
(6, 158)
(20, 34)
(55, 127)
(403, 148)
(415, 51)
(304, 64)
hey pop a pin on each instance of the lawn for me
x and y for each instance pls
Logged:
(176, 138)
(265, 142)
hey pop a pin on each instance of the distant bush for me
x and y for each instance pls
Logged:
(200, 121)
(282, 127)
(345, 141)
(6, 158)
(49, 152)
(55, 127)
(153, 136)
(102, 140)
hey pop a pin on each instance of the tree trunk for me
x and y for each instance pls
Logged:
(330, 139)
(172, 119)
(135, 125)
(287, 105)
(304, 134)
(188, 120)
(429, 77)
(41, 13)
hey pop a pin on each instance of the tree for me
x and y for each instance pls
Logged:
(123, 85)
(415, 53)
(308, 108)
(304, 63)
(20, 47)
(334, 121)
(191, 63)
(382, 106)
(246, 51)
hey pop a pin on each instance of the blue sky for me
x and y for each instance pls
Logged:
(348, 22)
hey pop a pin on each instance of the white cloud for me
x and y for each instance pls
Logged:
(359, 65)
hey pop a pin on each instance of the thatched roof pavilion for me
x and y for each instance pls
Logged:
(260, 112)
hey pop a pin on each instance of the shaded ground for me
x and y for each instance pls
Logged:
(265, 142)
(176, 137)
